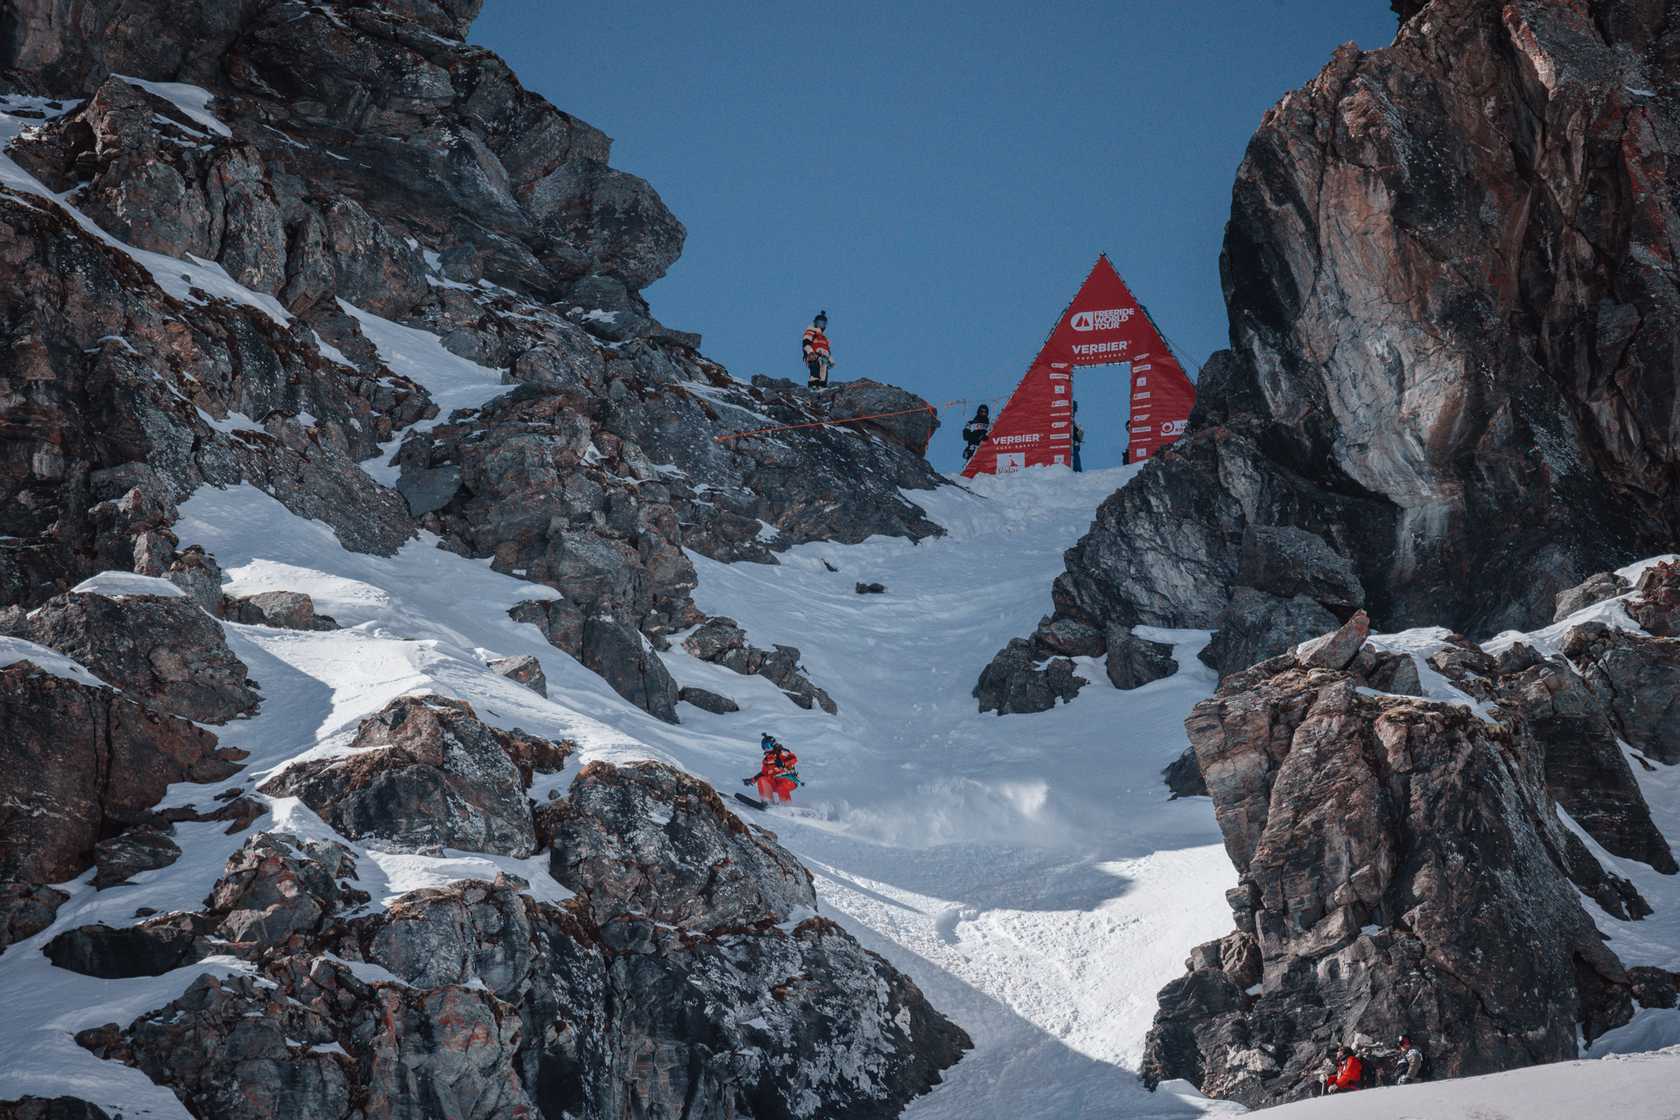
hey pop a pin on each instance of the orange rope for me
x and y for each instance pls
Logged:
(826, 423)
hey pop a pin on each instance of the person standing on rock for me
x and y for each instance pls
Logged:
(974, 432)
(818, 359)
(777, 777)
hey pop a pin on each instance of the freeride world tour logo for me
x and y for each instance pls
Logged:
(1100, 320)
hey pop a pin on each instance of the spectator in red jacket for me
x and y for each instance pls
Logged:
(818, 359)
(1349, 1072)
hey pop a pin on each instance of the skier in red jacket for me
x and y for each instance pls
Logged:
(777, 777)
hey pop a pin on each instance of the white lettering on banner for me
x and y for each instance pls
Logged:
(1061, 389)
(1091, 349)
(1174, 427)
(1011, 441)
(1141, 382)
(1058, 423)
(1106, 320)
(1143, 453)
(1140, 417)
(1143, 396)
(1142, 367)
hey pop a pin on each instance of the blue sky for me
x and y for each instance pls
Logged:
(938, 176)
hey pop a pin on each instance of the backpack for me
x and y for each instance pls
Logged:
(1367, 1072)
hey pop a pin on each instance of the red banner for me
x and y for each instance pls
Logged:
(1104, 325)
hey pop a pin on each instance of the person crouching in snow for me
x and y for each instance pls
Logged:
(777, 777)
(1350, 1071)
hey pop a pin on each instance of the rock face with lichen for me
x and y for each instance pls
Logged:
(688, 975)
(1404, 868)
(216, 219)
(338, 166)
(1453, 312)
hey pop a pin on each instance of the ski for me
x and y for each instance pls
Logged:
(762, 806)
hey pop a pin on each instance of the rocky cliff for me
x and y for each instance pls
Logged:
(204, 315)
(1405, 867)
(336, 253)
(1450, 392)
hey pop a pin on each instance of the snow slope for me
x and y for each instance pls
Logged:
(1028, 872)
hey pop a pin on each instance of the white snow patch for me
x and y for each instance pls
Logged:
(118, 585)
(193, 101)
(453, 381)
(13, 650)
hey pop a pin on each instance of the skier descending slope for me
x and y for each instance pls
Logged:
(777, 777)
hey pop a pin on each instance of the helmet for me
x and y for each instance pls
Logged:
(822, 319)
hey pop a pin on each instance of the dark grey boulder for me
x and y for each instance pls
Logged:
(1254, 626)
(525, 670)
(1068, 637)
(649, 840)
(285, 610)
(1015, 682)
(424, 771)
(277, 886)
(26, 909)
(117, 953)
(619, 653)
(1593, 589)
(1183, 776)
(1134, 661)
(722, 641)
(131, 852)
(1286, 561)
(164, 651)
(707, 701)
(429, 489)
(1638, 679)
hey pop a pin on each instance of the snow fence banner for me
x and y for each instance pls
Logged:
(1104, 325)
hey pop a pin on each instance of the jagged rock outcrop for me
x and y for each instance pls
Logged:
(1403, 868)
(1022, 679)
(1133, 661)
(526, 670)
(1452, 308)
(288, 610)
(26, 909)
(425, 771)
(1638, 680)
(377, 160)
(83, 763)
(687, 977)
(121, 857)
(163, 651)
(195, 280)
(721, 641)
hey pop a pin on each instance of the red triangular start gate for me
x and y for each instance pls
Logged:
(1104, 325)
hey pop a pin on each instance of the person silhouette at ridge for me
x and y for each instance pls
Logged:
(974, 432)
(818, 358)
